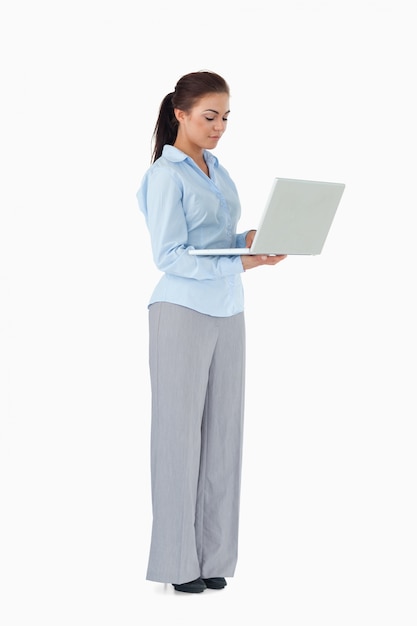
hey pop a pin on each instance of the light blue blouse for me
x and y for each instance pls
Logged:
(186, 209)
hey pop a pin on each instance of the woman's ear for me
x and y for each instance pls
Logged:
(179, 115)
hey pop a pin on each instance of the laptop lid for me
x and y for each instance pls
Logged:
(296, 219)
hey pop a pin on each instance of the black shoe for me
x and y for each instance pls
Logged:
(215, 583)
(194, 586)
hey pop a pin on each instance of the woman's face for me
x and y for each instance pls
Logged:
(205, 123)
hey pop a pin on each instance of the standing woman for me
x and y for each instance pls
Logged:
(196, 341)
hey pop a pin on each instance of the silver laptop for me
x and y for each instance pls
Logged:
(296, 220)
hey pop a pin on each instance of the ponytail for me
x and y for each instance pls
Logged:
(166, 127)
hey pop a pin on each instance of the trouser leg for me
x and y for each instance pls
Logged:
(217, 519)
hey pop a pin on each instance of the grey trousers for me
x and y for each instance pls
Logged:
(197, 367)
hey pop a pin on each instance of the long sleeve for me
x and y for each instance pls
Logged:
(162, 199)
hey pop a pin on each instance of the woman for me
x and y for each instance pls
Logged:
(197, 340)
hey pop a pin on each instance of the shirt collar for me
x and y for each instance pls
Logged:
(175, 156)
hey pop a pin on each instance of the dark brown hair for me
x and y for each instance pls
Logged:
(188, 90)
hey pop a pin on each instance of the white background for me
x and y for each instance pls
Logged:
(320, 90)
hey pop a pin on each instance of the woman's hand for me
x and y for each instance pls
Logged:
(250, 236)
(254, 260)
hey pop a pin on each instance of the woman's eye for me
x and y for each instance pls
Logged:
(211, 119)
